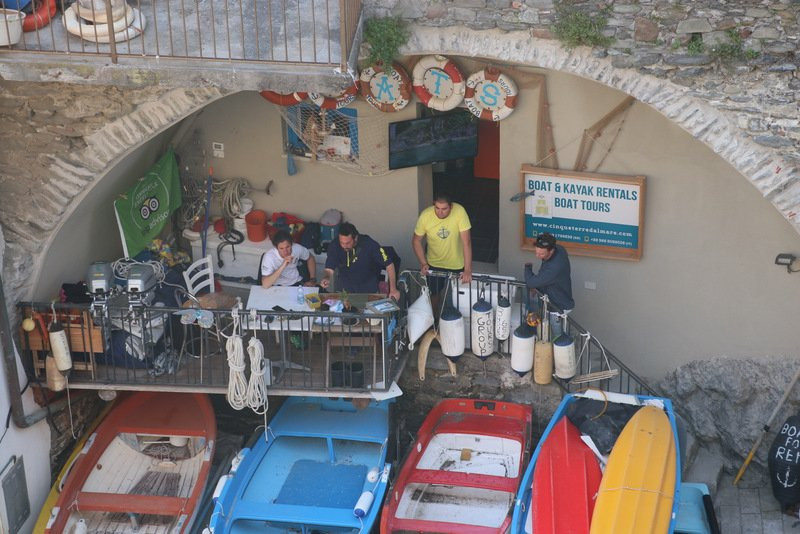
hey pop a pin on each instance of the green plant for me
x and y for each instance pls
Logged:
(695, 45)
(575, 28)
(384, 36)
(734, 49)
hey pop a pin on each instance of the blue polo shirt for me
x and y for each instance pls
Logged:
(360, 268)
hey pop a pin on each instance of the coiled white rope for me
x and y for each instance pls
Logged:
(257, 387)
(237, 382)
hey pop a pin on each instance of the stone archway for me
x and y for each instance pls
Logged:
(770, 169)
(95, 128)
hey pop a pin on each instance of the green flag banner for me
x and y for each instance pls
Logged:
(143, 210)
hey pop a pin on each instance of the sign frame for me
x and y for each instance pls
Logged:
(638, 183)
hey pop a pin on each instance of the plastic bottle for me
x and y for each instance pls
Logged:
(301, 296)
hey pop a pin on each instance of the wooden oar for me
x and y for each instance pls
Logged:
(766, 428)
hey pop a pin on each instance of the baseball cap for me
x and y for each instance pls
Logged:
(545, 240)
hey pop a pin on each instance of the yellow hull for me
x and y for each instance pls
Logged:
(52, 497)
(638, 487)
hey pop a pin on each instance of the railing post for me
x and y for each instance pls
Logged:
(111, 38)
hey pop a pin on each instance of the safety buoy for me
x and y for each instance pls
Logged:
(40, 17)
(490, 95)
(522, 346)
(386, 91)
(124, 29)
(438, 83)
(564, 357)
(284, 99)
(330, 102)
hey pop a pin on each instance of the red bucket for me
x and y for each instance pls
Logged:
(256, 221)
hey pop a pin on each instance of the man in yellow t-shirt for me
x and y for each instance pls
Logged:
(445, 227)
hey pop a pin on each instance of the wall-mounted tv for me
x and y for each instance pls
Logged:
(442, 137)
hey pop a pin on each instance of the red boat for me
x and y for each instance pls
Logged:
(144, 469)
(463, 471)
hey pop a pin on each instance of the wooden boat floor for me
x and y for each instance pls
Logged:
(118, 471)
(469, 454)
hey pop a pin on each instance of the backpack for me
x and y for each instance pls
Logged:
(329, 225)
(312, 237)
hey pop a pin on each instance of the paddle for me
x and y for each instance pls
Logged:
(766, 428)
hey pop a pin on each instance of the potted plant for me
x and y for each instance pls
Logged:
(384, 83)
(384, 36)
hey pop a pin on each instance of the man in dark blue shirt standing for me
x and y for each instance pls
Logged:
(554, 278)
(359, 259)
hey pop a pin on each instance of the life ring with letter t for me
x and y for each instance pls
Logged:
(335, 102)
(386, 91)
(284, 99)
(438, 83)
(490, 95)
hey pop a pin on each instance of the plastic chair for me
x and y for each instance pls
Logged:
(199, 276)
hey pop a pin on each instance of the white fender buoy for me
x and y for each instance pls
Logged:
(420, 317)
(482, 340)
(451, 333)
(522, 343)
(59, 345)
(502, 319)
(564, 356)
(55, 380)
(80, 527)
(364, 502)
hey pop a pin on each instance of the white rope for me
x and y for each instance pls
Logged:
(237, 382)
(257, 387)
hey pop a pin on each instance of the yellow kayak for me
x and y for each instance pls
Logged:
(638, 488)
(52, 497)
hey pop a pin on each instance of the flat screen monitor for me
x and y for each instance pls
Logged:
(443, 137)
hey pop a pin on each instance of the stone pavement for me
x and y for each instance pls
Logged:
(749, 507)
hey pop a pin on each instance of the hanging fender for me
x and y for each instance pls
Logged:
(335, 102)
(41, 16)
(284, 99)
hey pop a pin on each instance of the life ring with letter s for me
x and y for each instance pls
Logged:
(386, 91)
(438, 83)
(490, 95)
(335, 102)
(284, 99)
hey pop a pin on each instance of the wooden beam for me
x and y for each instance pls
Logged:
(596, 130)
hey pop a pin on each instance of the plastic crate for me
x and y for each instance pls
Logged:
(14, 4)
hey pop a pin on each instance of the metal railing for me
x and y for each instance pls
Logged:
(319, 32)
(597, 367)
(160, 348)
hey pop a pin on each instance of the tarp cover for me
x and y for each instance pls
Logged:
(143, 210)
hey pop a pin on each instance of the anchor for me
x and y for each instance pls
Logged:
(785, 481)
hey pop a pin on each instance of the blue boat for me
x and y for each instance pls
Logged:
(523, 518)
(321, 467)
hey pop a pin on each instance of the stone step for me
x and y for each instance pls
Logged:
(707, 467)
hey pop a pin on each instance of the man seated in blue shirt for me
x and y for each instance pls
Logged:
(359, 259)
(553, 279)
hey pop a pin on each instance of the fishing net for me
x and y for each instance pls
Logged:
(353, 141)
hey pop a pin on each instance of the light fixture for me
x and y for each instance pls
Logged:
(786, 259)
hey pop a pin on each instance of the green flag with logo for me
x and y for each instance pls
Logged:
(143, 210)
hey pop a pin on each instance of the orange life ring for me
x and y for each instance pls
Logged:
(385, 91)
(284, 99)
(330, 102)
(490, 95)
(438, 83)
(40, 17)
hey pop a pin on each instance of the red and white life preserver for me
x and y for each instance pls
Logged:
(490, 95)
(335, 102)
(284, 99)
(41, 16)
(438, 83)
(386, 91)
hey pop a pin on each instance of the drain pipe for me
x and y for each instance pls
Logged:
(12, 374)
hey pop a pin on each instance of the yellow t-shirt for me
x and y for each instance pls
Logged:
(445, 249)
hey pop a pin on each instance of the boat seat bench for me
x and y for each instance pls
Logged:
(130, 503)
(288, 513)
(468, 480)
